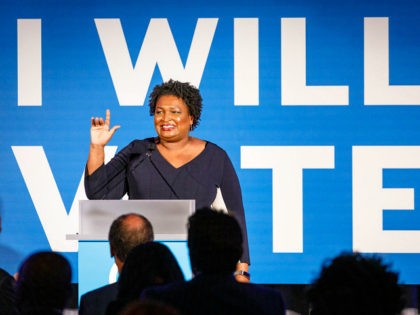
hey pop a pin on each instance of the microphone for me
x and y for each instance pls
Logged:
(151, 147)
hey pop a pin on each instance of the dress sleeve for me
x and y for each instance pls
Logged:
(109, 180)
(232, 196)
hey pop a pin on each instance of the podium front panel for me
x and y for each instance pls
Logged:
(168, 217)
(96, 266)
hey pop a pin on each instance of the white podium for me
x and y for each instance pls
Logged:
(96, 266)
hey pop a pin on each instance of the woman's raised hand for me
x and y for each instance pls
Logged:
(100, 133)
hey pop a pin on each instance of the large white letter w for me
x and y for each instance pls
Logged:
(131, 84)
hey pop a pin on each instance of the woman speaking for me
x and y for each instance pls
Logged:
(172, 165)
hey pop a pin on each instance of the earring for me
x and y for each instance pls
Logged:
(191, 127)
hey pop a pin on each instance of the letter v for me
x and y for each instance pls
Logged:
(46, 197)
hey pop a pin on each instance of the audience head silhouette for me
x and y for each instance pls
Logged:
(214, 242)
(126, 232)
(147, 264)
(354, 284)
(44, 284)
(215, 247)
(7, 292)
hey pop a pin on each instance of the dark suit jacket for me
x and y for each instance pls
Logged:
(218, 294)
(95, 302)
(7, 294)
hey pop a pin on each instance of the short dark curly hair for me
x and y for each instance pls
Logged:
(185, 91)
(355, 284)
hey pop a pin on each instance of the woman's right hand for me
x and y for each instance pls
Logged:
(100, 133)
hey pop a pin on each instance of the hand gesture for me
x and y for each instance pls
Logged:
(100, 134)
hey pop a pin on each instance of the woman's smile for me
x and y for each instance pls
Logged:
(172, 118)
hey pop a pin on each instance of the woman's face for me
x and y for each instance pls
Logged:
(172, 118)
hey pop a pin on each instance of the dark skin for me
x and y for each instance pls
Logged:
(173, 122)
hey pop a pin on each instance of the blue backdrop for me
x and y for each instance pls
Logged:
(316, 103)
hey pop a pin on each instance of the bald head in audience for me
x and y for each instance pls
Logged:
(126, 232)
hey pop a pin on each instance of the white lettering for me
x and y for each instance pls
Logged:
(287, 164)
(159, 48)
(46, 197)
(29, 62)
(370, 199)
(246, 61)
(294, 90)
(376, 72)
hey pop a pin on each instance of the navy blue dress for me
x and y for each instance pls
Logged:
(141, 172)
